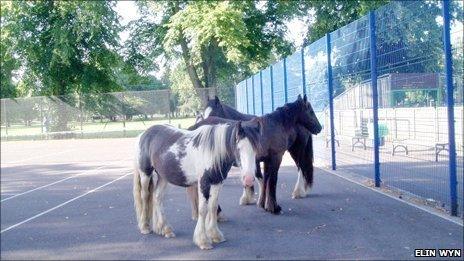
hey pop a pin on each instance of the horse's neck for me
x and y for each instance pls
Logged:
(279, 117)
(231, 113)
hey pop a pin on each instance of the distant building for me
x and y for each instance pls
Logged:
(394, 90)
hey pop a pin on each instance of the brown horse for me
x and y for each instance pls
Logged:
(287, 128)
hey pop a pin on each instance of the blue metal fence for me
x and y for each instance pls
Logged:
(388, 90)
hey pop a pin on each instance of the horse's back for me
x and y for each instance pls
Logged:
(154, 145)
(160, 137)
(211, 120)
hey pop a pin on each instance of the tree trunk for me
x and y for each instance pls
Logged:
(192, 72)
(209, 68)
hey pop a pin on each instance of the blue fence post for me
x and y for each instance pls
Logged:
(450, 107)
(303, 71)
(375, 102)
(246, 94)
(261, 88)
(272, 87)
(331, 105)
(285, 81)
(253, 93)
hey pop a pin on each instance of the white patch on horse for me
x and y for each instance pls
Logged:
(300, 190)
(201, 158)
(247, 197)
(247, 157)
(212, 229)
(208, 111)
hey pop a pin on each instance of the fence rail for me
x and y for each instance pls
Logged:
(118, 114)
(388, 90)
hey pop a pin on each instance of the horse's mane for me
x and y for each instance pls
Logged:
(285, 114)
(212, 142)
(250, 128)
(234, 114)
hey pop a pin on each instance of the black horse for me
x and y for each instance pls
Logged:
(287, 128)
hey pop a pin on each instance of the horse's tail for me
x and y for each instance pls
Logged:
(308, 168)
(302, 153)
(137, 186)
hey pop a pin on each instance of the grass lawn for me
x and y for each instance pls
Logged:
(97, 127)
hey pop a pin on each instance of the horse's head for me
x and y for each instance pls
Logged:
(214, 108)
(246, 140)
(198, 117)
(303, 113)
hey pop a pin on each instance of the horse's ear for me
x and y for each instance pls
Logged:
(216, 100)
(299, 97)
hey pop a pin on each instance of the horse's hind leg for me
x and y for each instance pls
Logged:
(192, 193)
(160, 224)
(263, 187)
(146, 195)
(212, 228)
(301, 187)
(259, 177)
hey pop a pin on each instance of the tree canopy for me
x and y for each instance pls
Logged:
(67, 47)
(215, 43)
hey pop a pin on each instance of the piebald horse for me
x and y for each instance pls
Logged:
(202, 158)
(287, 128)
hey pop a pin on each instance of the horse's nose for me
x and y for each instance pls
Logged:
(248, 180)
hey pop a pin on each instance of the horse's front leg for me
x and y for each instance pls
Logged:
(192, 193)
(271, 169)
(248, 192)
(199, 236)
(212, 228)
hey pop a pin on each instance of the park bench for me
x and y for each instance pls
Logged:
(439, 147)
(336, 138)
(400, 143)
(360, 136)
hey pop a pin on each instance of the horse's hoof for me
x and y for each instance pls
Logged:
(205, 246)
(298, 194)
(216, 236)
(168, 233)
(219, 239)
(246, 201)
(276, 210)
(145, 231)
(222, 218)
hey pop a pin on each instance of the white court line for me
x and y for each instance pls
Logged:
(53, 183)
(63, 204)
(37, 157)
(444, 216)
